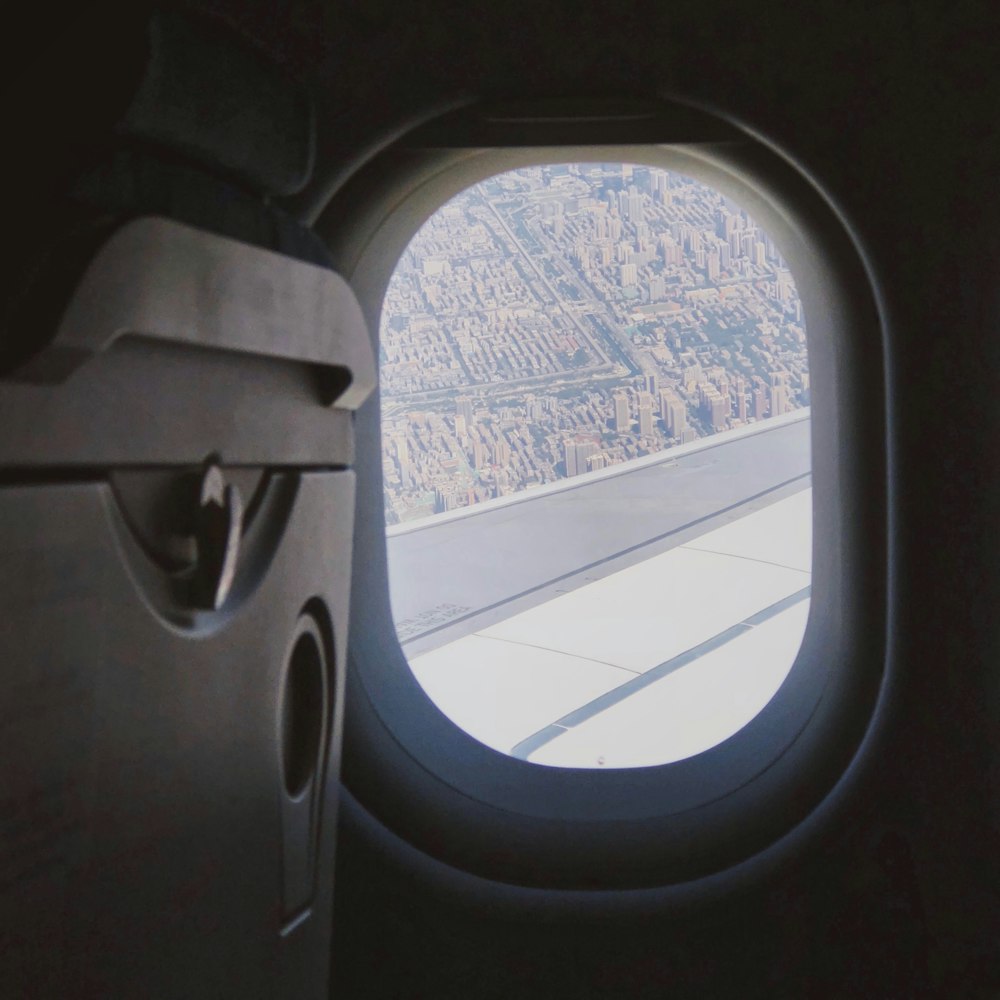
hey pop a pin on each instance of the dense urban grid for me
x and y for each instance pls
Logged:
(557, 320)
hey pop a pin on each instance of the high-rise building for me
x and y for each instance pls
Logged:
(445, 498)
(712, 264)
(629, 275)
(760, 401)
(714, 406)
(645, 414)
(692, 376)
(673, 413)
(623, 421)
(636, 214)
(402, 449)
(569, 457)
(577, 454)
(672, 253)
(779, 399)
(463, 408)
(661, 192)
(783, 286)
(720, 412)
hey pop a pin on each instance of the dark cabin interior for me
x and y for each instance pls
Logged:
(152, 844)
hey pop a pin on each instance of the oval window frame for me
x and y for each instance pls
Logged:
(509, 820)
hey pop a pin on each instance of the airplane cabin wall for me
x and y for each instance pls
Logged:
(888, 110)
(891, 110)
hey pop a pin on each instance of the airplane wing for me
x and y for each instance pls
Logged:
(555, 632)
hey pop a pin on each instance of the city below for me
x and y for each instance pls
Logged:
(558, 320)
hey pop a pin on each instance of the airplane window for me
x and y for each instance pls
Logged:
(596, 461)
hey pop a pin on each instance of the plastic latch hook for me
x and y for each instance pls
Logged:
(218, 528)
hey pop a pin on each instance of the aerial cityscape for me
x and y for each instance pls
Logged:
(557, 320)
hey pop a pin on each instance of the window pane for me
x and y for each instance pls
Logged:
(595, 406)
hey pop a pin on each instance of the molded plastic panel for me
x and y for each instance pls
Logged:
(144, 831)
(169, 282)
(148, 403)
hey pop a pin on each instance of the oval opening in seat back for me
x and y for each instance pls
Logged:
(596, 458)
